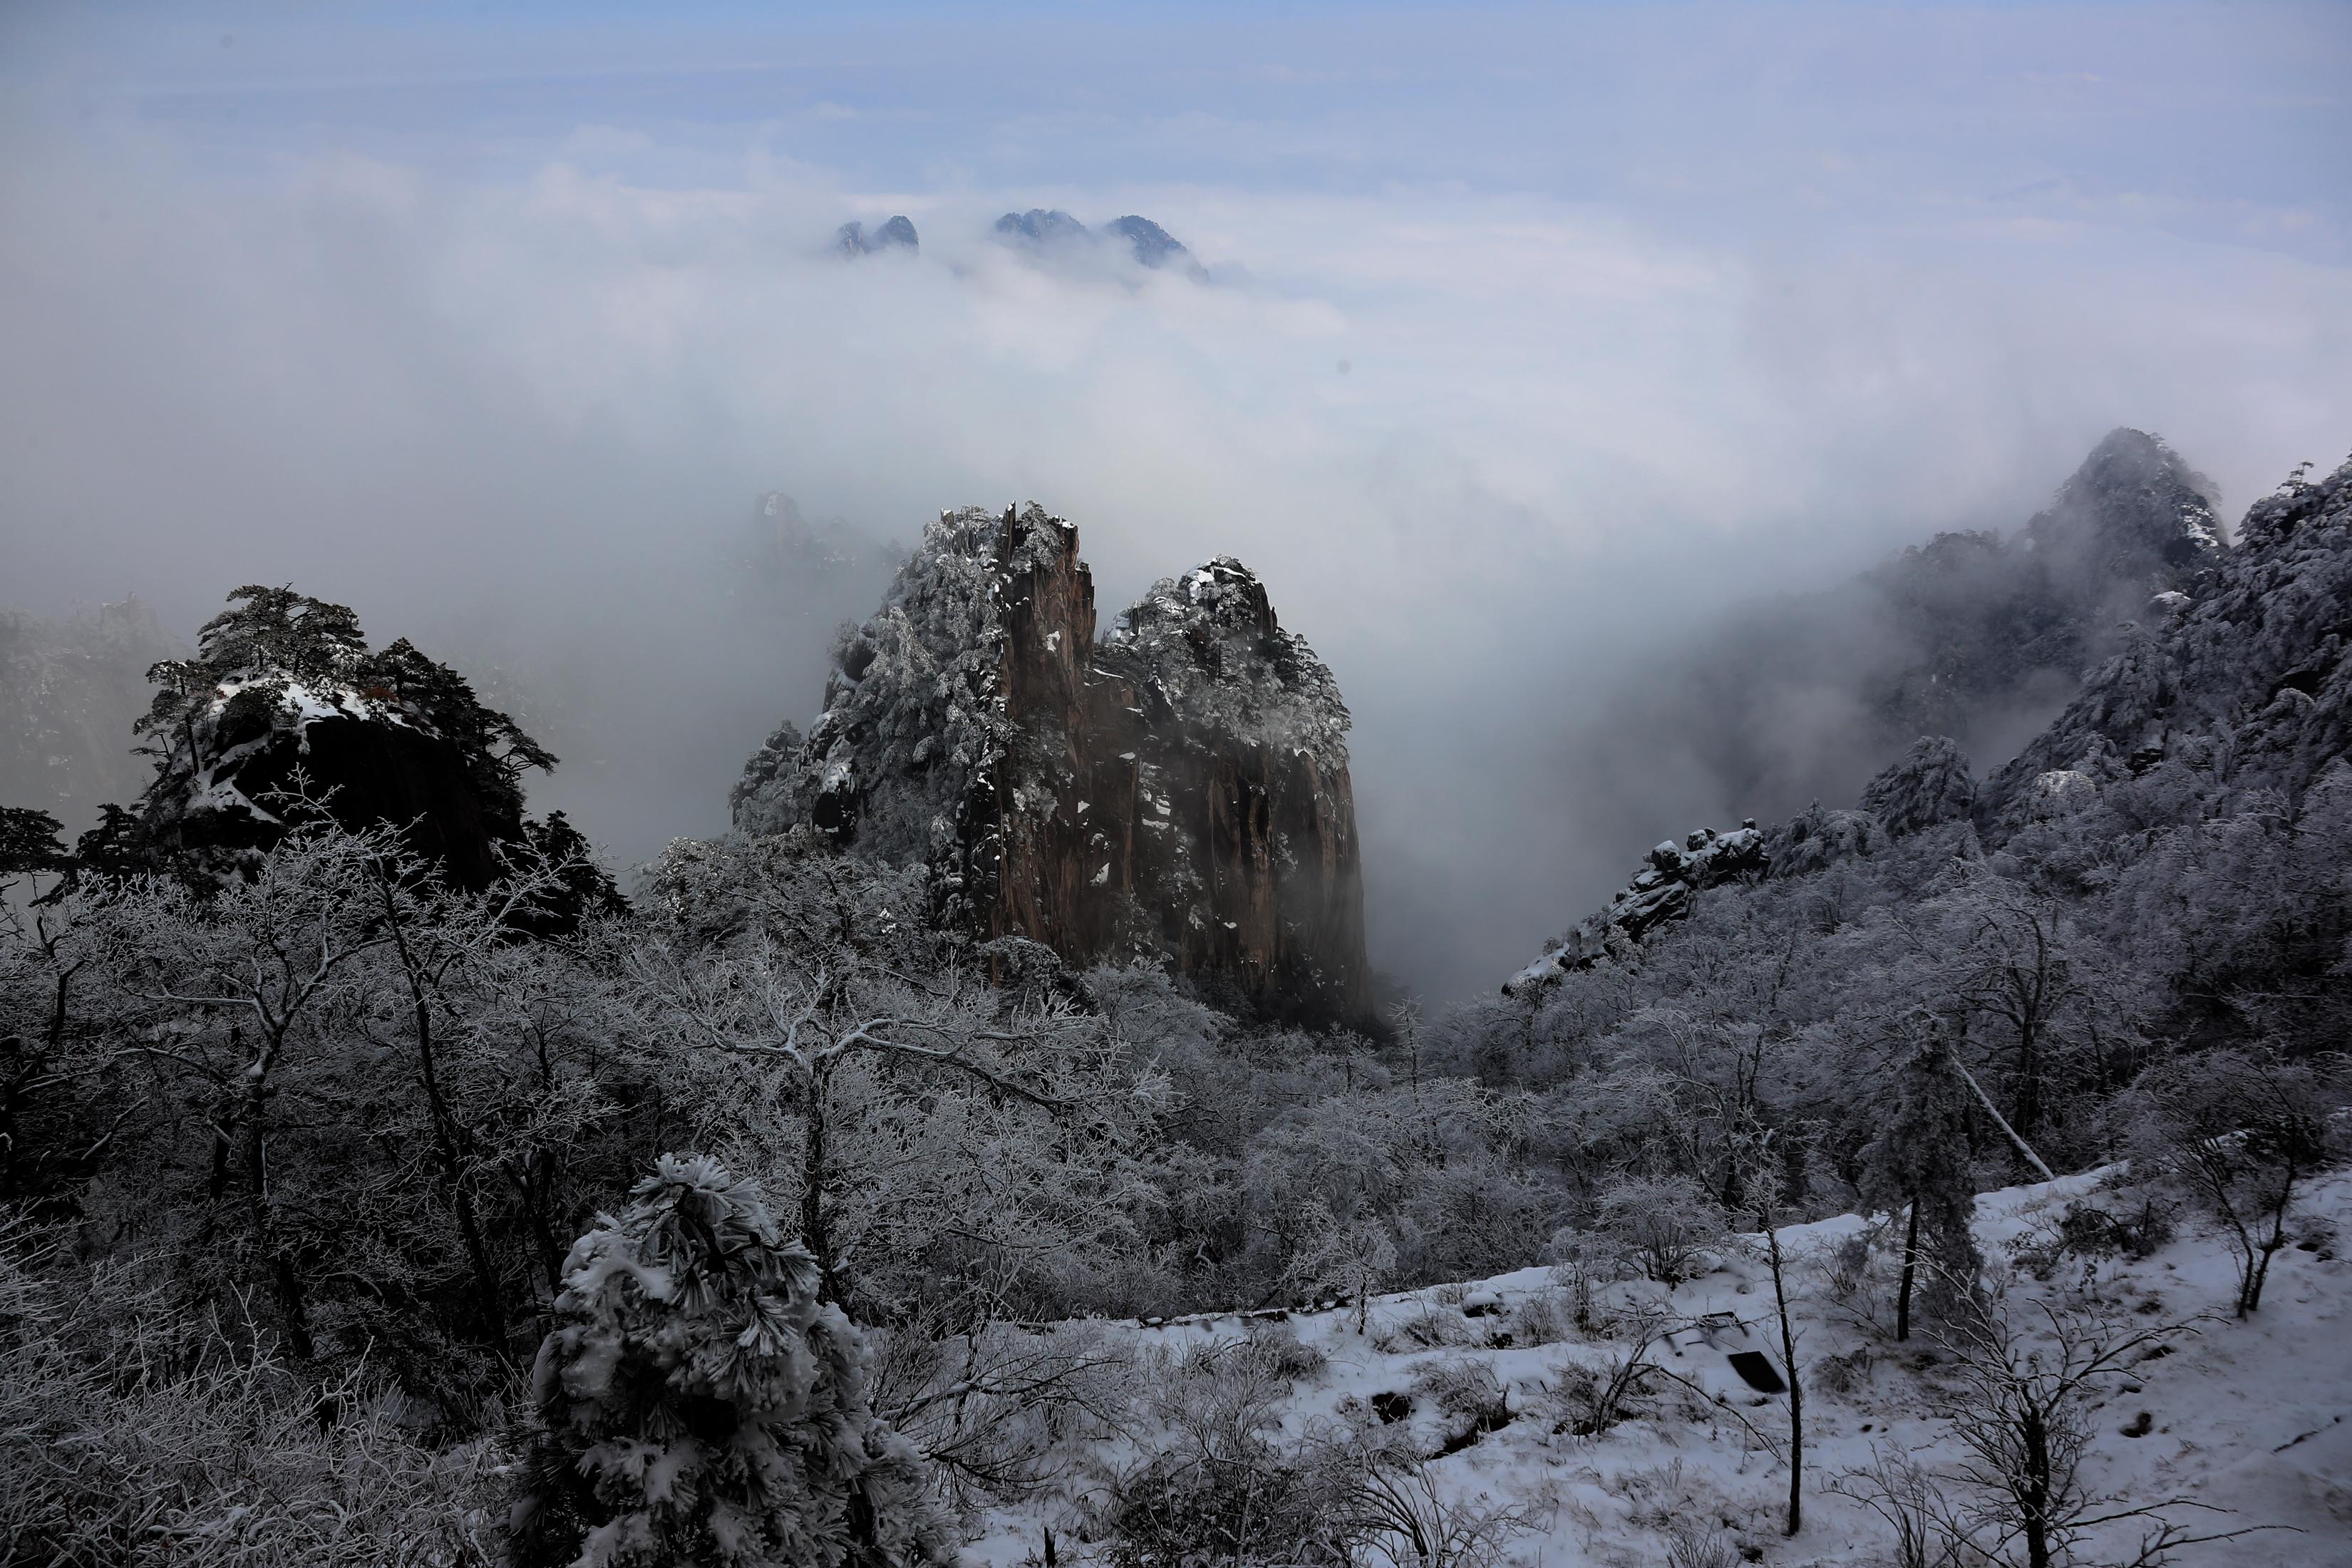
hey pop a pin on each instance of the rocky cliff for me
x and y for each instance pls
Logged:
(1175, 789)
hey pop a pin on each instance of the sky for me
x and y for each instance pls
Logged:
(1531, 338)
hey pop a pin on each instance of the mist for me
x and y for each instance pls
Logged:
(1505, 387)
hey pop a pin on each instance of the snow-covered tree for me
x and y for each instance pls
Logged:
(2234, 1132)
(701, 1405)
(1353, 1257)
(1918, 1164)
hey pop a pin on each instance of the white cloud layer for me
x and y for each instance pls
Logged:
(521, 411)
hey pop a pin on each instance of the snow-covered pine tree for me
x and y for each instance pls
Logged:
(1919, 1163)
(699, 1404)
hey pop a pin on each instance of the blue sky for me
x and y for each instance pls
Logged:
(1531, 333)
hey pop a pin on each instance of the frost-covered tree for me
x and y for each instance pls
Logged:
(2236, 1131)
(1918, 1164)
(701, 1405)
(1351, 1257)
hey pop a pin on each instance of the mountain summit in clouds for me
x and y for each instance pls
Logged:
(898, 234)
(1144, 242)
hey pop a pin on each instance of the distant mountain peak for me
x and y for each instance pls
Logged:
(1041, 225)
(897, 234)
(1144, 241)
(2135, 511)
(1153, 245)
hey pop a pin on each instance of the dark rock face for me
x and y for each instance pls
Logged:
(1055, 233)
(1931, 785)
(898, 234)
(1177, 790)
(377, 773)
(1662, 891)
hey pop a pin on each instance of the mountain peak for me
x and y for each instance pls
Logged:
(2134, 511)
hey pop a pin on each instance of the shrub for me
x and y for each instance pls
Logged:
(132, 1433)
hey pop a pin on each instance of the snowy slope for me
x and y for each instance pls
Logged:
(2254, 1417)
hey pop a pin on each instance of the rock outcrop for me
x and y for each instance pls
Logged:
(1178, 789)
(1662, 891)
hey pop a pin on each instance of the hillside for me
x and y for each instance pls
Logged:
(2245, 1417)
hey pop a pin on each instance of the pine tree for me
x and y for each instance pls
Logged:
(1919, 1163)
(700, 1406)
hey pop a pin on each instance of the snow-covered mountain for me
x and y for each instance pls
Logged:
(2232, 679)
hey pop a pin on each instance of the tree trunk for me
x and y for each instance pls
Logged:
(2036, 1500)
(285, 1277)
(1910, 1264)
(1796, 1386)
(813, 1171)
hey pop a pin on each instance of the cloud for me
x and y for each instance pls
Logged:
(522, 410)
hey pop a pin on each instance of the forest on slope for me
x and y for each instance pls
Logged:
(382, 1185)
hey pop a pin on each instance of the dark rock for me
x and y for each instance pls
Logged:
(285, 709)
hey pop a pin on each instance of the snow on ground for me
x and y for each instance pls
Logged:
(2253, 1416)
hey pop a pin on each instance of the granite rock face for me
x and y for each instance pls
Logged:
(1177, 789)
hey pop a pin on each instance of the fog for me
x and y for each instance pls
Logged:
(1503, 386)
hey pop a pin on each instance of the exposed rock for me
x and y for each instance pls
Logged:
(1662, 891)
(1055, 233)
(1930, 785)
(898, 234)
(2132, 521)
(1969, 635)
(1179, 789)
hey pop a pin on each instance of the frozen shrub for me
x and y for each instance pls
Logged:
(1701, 1543)
(1461, 1387)
(1666, 1225)
(1426, 1329)
(132, 1433)
(1277, 1347)
(1540, 1317)
(700, 1405)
